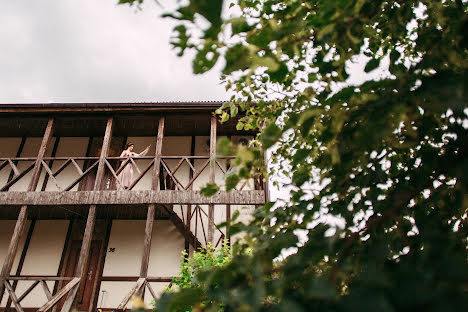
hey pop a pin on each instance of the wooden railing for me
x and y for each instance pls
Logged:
(170, 177)
(51, 174)
(16, 299)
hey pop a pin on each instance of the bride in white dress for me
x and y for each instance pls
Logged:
(125, 177)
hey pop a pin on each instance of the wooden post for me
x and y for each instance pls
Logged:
(42, 150)
(23, 215)
(22, 258)
(212, 176)
(189, 207)
(157, 154)
(266, 188)
(83, 258)
(12, 248)
(51, 163)
(18, 154)
(65, 252)
(147, 241)
(90, 222)
(104, 150)
(102, 260)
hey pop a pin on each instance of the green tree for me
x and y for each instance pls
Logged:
(387, 156)
(187, 280)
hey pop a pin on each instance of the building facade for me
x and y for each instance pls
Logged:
(71, 238)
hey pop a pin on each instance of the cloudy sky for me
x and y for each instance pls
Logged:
(94, 51)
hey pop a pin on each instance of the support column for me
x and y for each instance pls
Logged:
(90, 222)
(147, 241)
(22, 258)
(104, 150)
(42, 150)
(157, 154)
(212, 176)
(139, 288)
(23, 215)
(152, 207)
(189, 207)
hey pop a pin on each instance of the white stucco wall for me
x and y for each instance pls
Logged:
(67, 147)
(127, 238)
(9, 148)
(6, 231)
(42, 258)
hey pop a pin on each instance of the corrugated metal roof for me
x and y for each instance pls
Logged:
(123, 107)
(114, 104)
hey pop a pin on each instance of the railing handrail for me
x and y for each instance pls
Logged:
(48, 158)
(112, 157)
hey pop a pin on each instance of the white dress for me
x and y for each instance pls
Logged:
(125, 177)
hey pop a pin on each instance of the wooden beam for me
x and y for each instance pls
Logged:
(102, 261)
(184, 230)
(18, 154)
(26, 292)
(104, 150)
(153, 294)
(51, 163)
(157, 154)
(7, 186)
(86, 244)
(213, 148)
(141, 281)
(13, 296)
(91, 220)
(42, 150)
(22, 257)
(39, 277)
(13, 247)
(135, 278)
(266, 187)
(49, 304)
(80, 273)
(65, 251)
(143, 197)
(147, 241)
(22, 217)
(86, 162)
(189, 207)
(46, 290)
(212, 176)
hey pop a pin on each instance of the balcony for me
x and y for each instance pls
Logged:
(72, 180)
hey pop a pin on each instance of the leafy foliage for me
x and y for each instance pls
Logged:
(190, 269)
(384, 157)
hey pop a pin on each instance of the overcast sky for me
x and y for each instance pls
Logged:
(94, 51)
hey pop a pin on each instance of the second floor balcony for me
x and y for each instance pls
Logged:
(58, 159)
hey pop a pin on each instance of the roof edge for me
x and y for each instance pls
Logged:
(110, 106)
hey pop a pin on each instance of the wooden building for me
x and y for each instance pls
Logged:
(69, 239)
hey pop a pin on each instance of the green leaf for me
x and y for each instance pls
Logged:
(224, 147)
(224, 117)
(205, 59)
(234, 110)
(209, 189)
(239, 25)
(179, 301)
(266, 61)
(232, 179)
(270, 135)
(237, 58)
(372, 64)
(301, 176)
